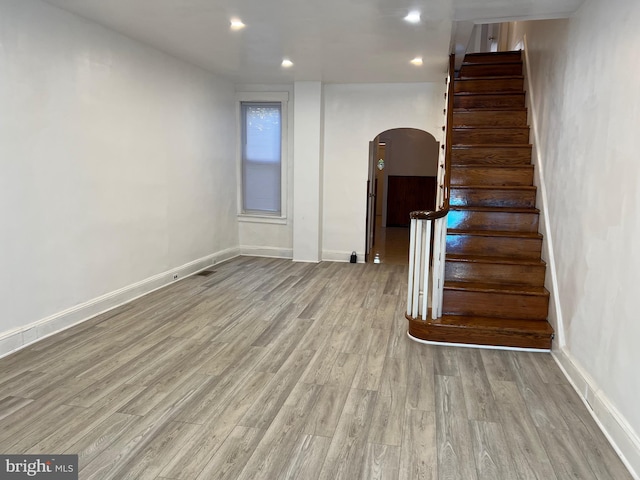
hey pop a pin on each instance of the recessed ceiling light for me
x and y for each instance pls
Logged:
(417, 61)
(236, 24)
(413, 17)
(286, 63)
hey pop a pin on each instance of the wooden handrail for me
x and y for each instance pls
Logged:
(442, 212)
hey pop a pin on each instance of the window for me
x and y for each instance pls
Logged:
(261, 157)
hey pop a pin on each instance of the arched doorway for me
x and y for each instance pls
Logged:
(403, 166)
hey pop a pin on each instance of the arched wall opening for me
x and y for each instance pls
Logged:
(402, 178)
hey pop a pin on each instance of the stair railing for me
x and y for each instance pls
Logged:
(429, 230)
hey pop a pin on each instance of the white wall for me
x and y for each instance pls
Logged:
(586, 113)
(354, 115)
(115, 169)
(307, 174)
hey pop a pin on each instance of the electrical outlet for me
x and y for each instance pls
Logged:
(175, 276)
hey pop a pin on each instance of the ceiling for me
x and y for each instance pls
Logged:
(340, 41)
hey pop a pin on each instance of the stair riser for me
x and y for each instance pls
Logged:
(490, 70)
(491, 136)
(495, 273)
(525, 248)
(493, 58)
(491, 156)
(473, 197)
(492, 176)
(490, 118)
(425, 331)
(489, 85)
(489, 304)
(498, 221)
(489, 101)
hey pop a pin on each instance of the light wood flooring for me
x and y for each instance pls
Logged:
(391, 245)
(269, 369)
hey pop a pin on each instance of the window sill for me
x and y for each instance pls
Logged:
(251, 218)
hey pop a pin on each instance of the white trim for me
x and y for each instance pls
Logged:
(271, 252)
(249, 218)
(539, 181)
(340, 256)
(18, 338)
(473, 345)
(624, 440)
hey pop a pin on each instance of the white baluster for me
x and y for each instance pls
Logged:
(412, 247)
(425, 262)
(416, 272)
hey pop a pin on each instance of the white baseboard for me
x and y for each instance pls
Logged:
(19, 338)
(271, 252)
(340, 256)
(624, 440)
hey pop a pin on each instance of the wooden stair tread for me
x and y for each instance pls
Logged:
(496, 288)
(510, 62)
(493, 94)
(493, 233)
(494, 259)
(499, 324)
(491, 145)
(493, 54)
(496, 166)
(495, 77)
(495, 209)
(488, 109)
(491, 127)
(495, 187)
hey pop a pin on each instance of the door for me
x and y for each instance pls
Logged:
(371, 200)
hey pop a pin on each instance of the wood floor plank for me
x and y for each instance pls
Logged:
(271, 455)
(421, 378)
(525, 447)
(455, 452)
(273, 396)
(592, 443)
(9, 405)
(481, 404)
(490, 445)
(307, 458)
(497, 365)
(418, 457)
(380, 462)
(231, 457)
(388, 417)
(324, 418)
(535, 392)
(370, 369)
(345, 455)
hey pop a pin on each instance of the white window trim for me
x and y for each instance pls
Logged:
(283, 98)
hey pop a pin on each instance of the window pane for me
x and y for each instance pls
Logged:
(261, 156)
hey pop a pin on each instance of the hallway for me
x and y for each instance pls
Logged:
(391, 245)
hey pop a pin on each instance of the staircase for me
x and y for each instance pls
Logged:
(494, 276)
